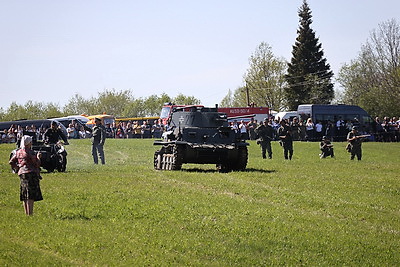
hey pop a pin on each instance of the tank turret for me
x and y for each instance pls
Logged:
(200, 135)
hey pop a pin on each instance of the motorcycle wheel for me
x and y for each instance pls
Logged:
(62, 163)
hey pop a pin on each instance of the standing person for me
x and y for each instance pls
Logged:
(340, 128)
(329, 130)
(156, 129)
(71, 131)
(235, 127)
(318, 130)
(285, 135)
(265, 134)
(252, 125)
(295, 128)
(137, 130)
(310, 129)
(243, 130)
(27, 162)
(355, 141)
(98, 139)
(146, 130)
(326, 147)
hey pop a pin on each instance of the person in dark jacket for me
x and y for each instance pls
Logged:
(54, 134)
(355, 140)
(286, 140)
(98, 139)
(265, 133)
(326, 148)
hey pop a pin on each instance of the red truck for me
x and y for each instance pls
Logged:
(246, 113)
(241, 113)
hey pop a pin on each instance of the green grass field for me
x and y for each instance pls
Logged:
(307, 211)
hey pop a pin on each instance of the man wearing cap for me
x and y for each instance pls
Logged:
(252, 125)
(355, 141)
(265, 134)
(326, 148)
(285, 135)
(53, 134)
(98, 139)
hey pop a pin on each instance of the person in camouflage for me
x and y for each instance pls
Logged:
(355, 141)
(286, 140)
(326, 148)
(98, 139)
(265, 134)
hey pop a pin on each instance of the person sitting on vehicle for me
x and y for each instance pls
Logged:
(326, 148)
(53, 134)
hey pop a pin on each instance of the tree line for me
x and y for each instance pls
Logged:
(118, 103)
(371, 80)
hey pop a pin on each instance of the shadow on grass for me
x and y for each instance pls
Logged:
(215, 171)
(258, 170)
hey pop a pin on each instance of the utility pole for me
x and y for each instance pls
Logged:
(247, 94)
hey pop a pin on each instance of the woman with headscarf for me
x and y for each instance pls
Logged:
(27, 162)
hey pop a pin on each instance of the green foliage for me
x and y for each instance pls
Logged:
(114, 102)
(240, 97)
(264, 81)
(265, 78)
(181, 99)
(309, 75)
(372, 81)
(31, 110)
(227, 101)
(78, 105)
(152, 104)
(306, 211)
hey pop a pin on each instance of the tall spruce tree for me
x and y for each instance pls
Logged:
(309, 76)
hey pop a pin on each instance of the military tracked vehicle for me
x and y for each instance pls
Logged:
(197, 134)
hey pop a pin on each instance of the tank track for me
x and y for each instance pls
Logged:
(238, 165)
(168, 158)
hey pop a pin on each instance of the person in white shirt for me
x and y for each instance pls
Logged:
(318, 130)
(310, 129)
(243, 130)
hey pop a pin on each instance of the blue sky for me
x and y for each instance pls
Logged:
(53, 49)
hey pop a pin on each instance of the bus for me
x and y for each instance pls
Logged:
(334, 113)
(140, 120)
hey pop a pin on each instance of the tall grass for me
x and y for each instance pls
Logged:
(307, 211)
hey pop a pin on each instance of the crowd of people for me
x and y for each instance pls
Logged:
(15, 133)
(129, 129)
(123, 129)
(387, 130)
(135, 129)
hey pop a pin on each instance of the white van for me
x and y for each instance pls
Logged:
(284, 115)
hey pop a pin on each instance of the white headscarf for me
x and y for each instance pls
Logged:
(25, 140)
